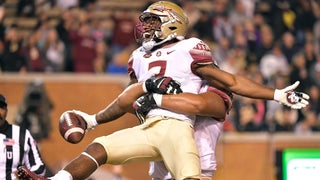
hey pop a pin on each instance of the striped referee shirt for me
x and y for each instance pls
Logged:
(17, 148)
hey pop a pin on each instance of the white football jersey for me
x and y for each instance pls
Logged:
(175, 61)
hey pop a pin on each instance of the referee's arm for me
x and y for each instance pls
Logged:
(31, 157)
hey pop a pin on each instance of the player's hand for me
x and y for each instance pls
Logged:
(291, 98)
(143, 105)
(162, 85)
(90, 119)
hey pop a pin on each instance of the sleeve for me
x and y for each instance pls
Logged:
(226, 96)
(32, 158)
(201, 54)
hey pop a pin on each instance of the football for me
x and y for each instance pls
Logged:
(72, 127)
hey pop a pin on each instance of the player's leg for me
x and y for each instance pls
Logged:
(117, 148)
(79, 168)
(207, 133)
(179, 150)
(87, 162)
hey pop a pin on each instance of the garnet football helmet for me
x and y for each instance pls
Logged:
(161, 22)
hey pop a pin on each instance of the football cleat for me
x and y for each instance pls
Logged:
(25, 174)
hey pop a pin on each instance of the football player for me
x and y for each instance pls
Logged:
(208, 127)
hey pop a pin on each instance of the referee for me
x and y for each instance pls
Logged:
(17, 147)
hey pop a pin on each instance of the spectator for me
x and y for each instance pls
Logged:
(306, 18)
(299, 72)
(282, 17)
(274, 63)
(266, 43)
(316, 33)
(249, 7)
(263, 8)
(203, 27)
(238, 15)
(246, 120)
(119, 63)
(251, 34)
(315, 72)
(41, 31)
(309, 54)
(101, 61)
(63, 27)
(13, 59)
(97, 30)
(222, 49)
(222, 26)
(83, 48)
(54, 52)
(289, 46)
(307, 124)
(285, 120)
(314, 102)
(124, 22)
(34, 58)
(233, 63)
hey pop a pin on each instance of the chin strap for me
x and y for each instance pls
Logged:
(152, 43)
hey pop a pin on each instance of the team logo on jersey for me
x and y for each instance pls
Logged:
(8, 142)
(158, 53)
(147, 55)
(202, 46)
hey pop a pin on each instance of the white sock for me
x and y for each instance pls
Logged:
(62, 174)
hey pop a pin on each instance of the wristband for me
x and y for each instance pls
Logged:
(91, 121)
(277, 94)
(158, 99)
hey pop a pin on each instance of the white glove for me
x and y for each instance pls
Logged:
(288, 97)
(90, 119)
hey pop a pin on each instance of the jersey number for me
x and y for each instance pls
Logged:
(160, 66)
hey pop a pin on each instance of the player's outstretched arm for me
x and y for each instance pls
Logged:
(245, 87)
(117, 108)
(123, 103)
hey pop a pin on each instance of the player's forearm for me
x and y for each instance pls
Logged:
(129, 95)
(121, 105)
(236, 84)
(181, 103)
(251, 89)
(112, 112)
(207, 104)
